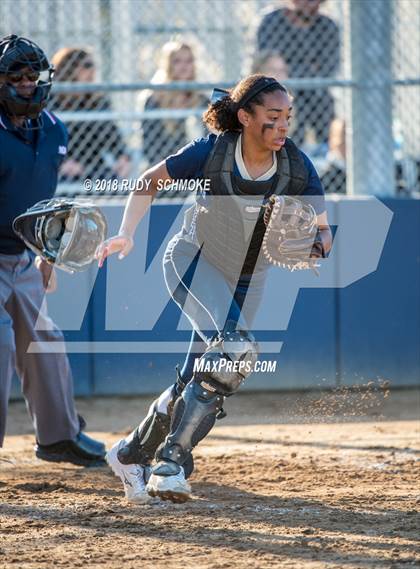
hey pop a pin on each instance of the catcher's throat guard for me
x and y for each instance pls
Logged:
(65, 233)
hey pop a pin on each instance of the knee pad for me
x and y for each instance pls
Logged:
(229, 359)
(193, 417)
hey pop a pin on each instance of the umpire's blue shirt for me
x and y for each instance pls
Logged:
(29, 162)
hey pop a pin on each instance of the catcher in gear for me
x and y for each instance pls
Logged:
(215, 269)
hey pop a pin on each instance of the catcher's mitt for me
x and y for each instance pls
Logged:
(291, 238)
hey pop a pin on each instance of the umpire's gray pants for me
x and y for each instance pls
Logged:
(47, 384)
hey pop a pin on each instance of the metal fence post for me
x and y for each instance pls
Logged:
(371, 148)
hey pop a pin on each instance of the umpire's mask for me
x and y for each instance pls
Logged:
(64, 232)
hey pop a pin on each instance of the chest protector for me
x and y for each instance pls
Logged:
(228, 220)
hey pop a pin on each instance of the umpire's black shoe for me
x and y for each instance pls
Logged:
(82, 451)
(97, 446)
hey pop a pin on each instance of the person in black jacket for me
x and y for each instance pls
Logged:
(309, 42)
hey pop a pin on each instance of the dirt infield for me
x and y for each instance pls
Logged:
(310, 481)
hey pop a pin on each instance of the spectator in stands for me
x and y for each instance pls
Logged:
(333, 177)
(162, 137)
(309, 43)
(408, 175)
(333, 174)
(271, 64)
(96, 148)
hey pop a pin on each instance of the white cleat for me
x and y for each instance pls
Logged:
(131, 475)
(174, 488)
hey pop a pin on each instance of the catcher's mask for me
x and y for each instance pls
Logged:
(17, 53)
(63, 232)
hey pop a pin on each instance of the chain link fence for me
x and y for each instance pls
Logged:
(133, 77)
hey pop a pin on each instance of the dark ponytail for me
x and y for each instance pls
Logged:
(222, 115)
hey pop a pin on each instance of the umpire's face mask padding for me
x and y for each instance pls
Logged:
(66, 234)
(81, 238)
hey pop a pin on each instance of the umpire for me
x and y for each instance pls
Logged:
(33, 143)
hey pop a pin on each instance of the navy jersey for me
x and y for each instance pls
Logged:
(29, 163)
(188, 163)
